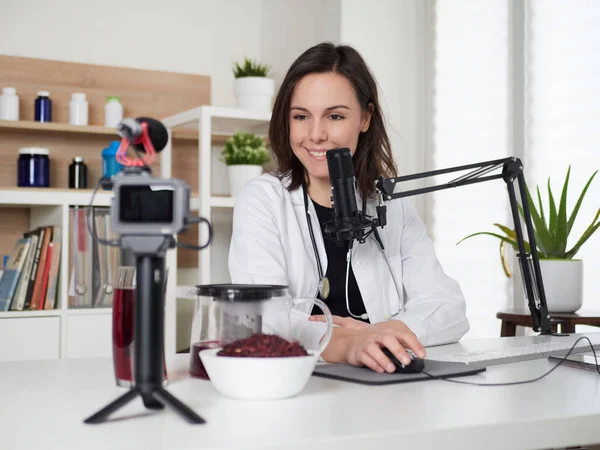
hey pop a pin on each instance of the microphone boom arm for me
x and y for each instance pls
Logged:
(512, 169)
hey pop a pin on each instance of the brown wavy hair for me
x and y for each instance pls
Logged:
(373, 157)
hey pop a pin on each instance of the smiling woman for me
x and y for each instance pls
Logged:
(328, 100)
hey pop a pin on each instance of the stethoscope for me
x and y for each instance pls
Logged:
(323, 280)
(324, 286)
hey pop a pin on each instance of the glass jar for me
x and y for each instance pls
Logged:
(33, 167)
(225, 313)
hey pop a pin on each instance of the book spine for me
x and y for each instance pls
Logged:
(40, 232)
(52, 290)
(19, 298)
(12, 273)
(36, 296)
(46, 275)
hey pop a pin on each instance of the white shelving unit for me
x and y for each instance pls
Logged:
(210, 121)
(68, 332)
(62, 332)
(86, 332)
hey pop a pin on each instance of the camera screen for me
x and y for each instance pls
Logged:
(146, 204)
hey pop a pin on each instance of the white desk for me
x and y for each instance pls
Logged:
(43, 404)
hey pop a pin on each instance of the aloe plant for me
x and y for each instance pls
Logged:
(552, 232)
(250, 68)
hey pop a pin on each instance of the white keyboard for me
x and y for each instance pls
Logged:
(505, 350)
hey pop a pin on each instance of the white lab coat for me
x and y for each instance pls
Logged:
(271, 245)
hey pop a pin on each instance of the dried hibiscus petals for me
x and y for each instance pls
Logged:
(263, 346)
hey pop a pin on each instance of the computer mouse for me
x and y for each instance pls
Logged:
(416, 366)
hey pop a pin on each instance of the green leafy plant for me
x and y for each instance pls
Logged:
(551, 232)
(250, 68)
(244, 148)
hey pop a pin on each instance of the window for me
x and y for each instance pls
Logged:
(511, 78)
(471, 123)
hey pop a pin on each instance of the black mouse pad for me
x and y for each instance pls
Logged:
(364, 375)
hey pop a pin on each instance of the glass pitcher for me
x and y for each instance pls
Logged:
(225, 313)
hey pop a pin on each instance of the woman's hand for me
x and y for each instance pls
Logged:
(359, 343)
(346, 322)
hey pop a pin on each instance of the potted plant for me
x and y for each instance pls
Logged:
(562, 275)
(253, 88)
(244, 154)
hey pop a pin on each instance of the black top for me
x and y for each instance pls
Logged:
(336, 272)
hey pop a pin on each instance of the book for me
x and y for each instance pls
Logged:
(52, 290)
(81, 257)
(34, 268)
(36, 296)
(19, 297)
(12, 272)
(45, 277)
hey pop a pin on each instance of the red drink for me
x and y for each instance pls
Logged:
(196, 367)
(122, 336)
(123, 317)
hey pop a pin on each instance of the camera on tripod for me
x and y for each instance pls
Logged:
(147, 206)
(147, 213)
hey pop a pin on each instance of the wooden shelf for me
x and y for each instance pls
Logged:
(57, 127)
(52, 127)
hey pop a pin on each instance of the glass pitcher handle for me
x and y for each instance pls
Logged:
(323, 307)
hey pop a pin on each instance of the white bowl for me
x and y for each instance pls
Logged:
(251, 378)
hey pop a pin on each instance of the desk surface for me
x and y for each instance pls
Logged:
(45, 402)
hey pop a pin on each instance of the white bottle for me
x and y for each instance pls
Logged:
(113, 112)
(78, 109)
(9, 104)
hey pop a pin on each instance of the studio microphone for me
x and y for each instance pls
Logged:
(349, 223)
(144, 134)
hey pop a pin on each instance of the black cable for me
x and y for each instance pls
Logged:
(513, 383)
(92, 230)
(208, 241)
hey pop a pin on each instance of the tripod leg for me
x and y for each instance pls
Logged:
(103, 414)
(150, 401)
(169, 400)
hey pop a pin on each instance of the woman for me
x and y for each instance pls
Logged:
(402, 300)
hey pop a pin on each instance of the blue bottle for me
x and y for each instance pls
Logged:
(43, 107)
(110, 166)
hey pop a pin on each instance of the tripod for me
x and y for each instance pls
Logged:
(148, 331)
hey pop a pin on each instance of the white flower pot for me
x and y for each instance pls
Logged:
(563, 285)
(239, 175)
(254, 93)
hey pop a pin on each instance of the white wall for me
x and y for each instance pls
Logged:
(190, 36)
(291, 27)
(390, 35)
